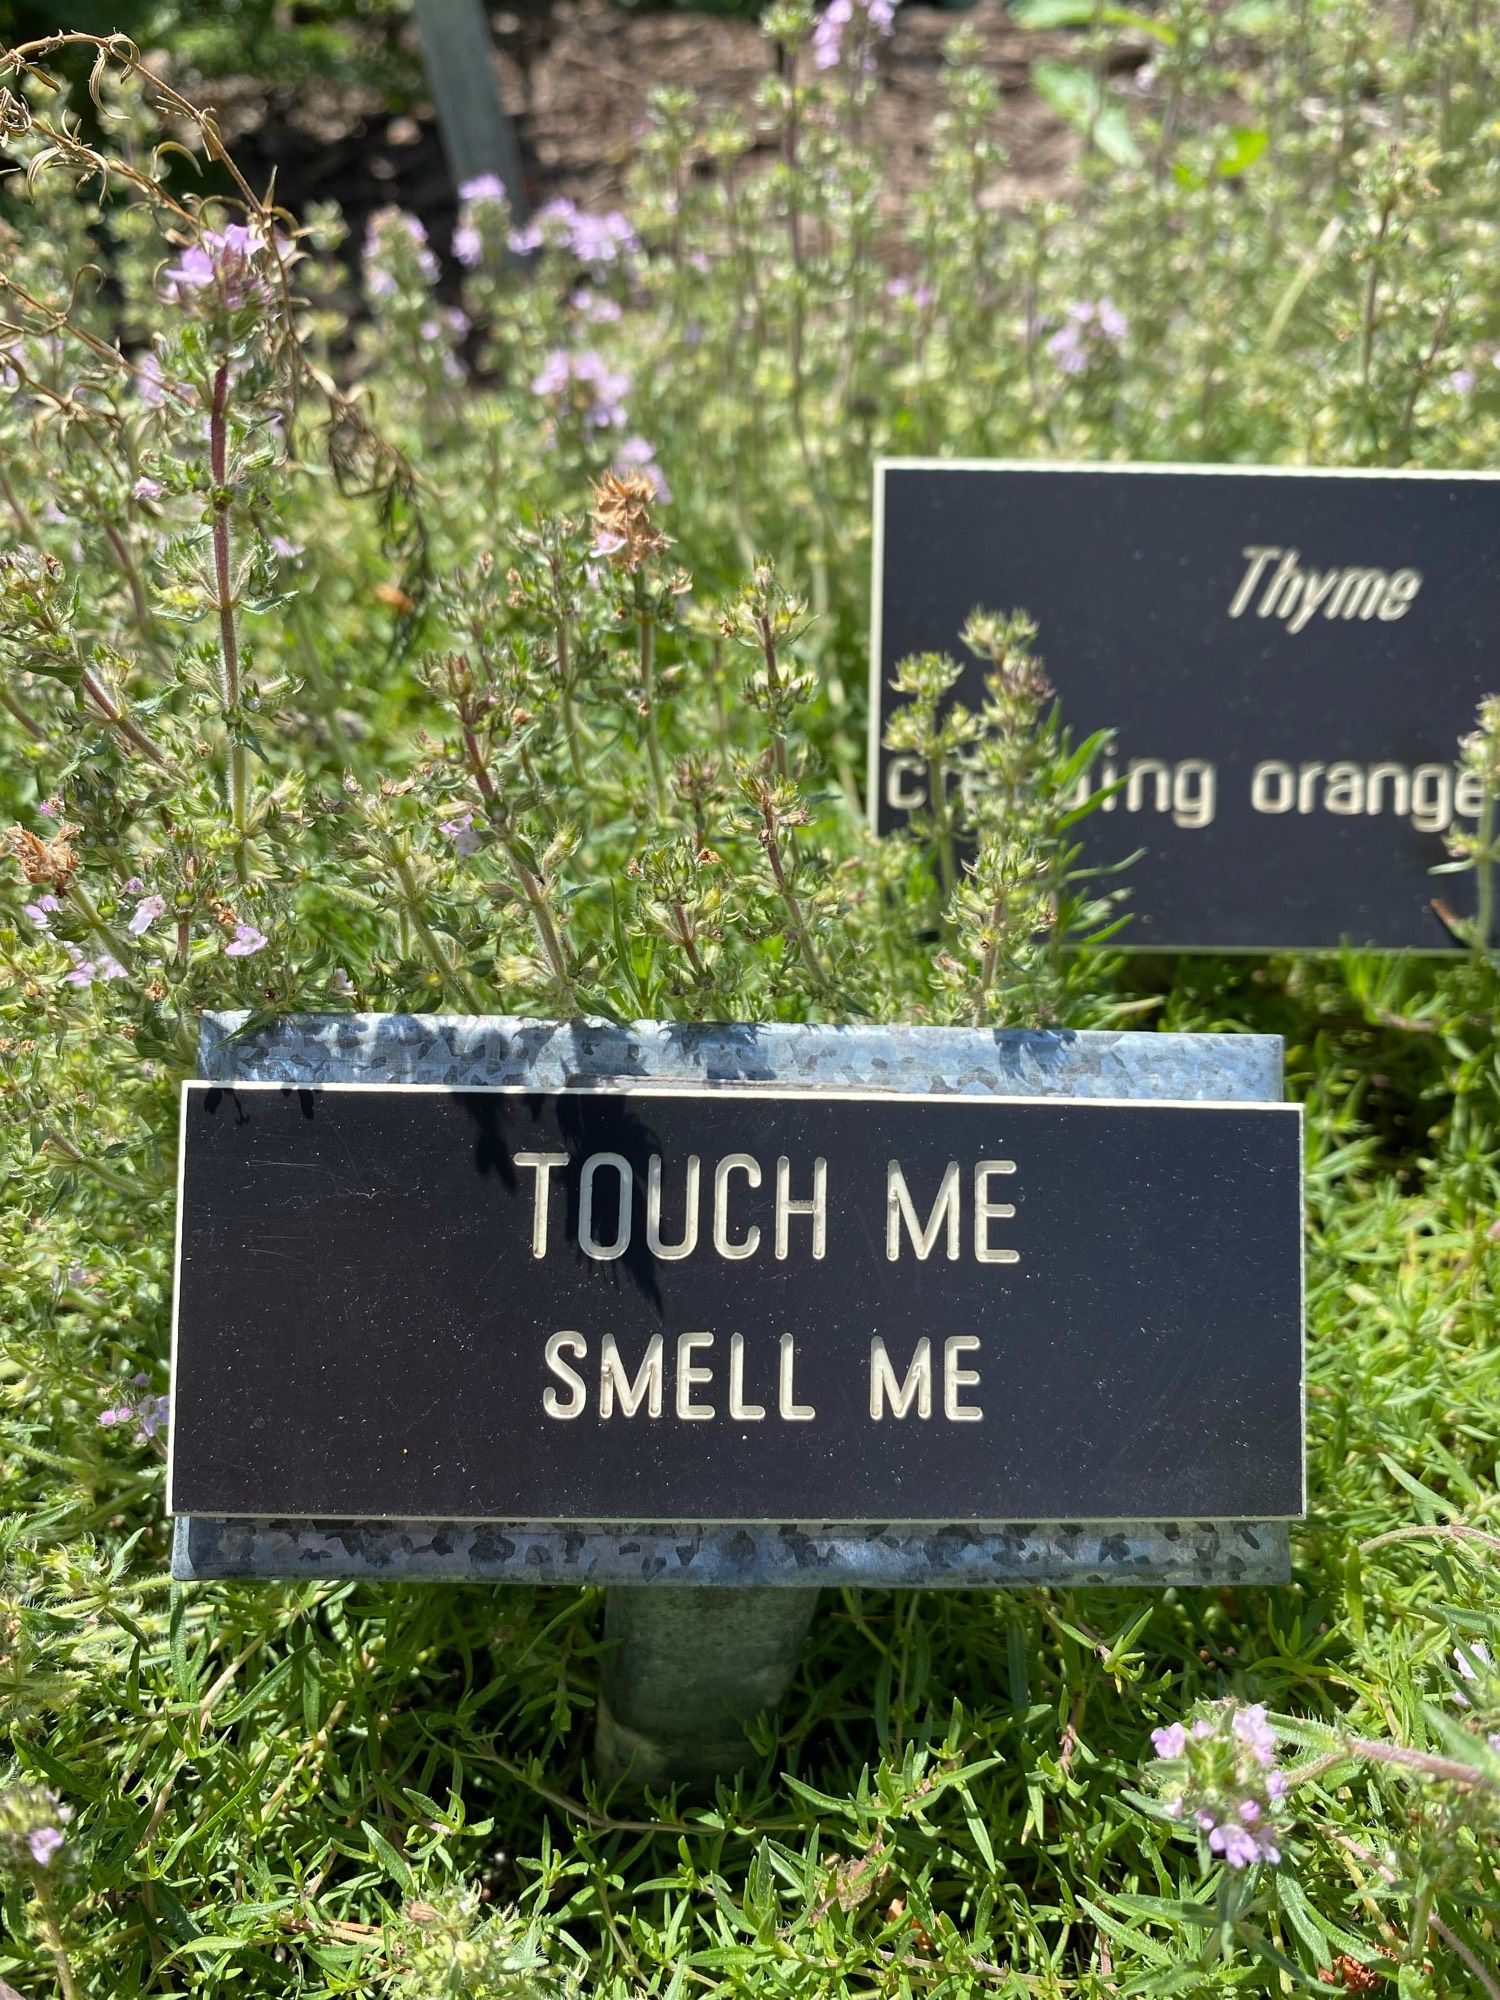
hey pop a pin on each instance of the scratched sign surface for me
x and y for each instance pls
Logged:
(673, 1304)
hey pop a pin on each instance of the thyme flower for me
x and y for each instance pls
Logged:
(1218, 1774)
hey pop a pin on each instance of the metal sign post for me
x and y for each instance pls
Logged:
(478, 134)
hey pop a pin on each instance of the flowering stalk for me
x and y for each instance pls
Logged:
(64, 1149)
(52, 1936)
(647, 625)
(775, 818)
(114, 944)
(531, 887)
(118, 717)
(563, 641)
(541, 917)
(450, 974)
(229, 645)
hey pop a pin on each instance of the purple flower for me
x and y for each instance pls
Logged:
(1217, 1775)
(44, 1843)
(50, 808)
(150, 1415)
(832, 42)
(603, 404)
(41, 911)
(1251, 1728)
(637, 455)
(589, 305)
(150, 381)
(592, 239)
(247, 940)
(135, 886)
(147, 910)
(483, 187)
(287, 550)
(1469, 1659)
(460, 830)
(153, 1415)
(396, 250)
(1462, 380)
(479, 198)
(1239, 1847)
(84, 969)
(225, 263)
(146, 489)
(1089, 332)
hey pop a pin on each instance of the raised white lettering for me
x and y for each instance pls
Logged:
(741, 1411)
(590, 1245)
(689, 1378)
(956, 1378)
(1399, 593)
(916, 1388)
(559, 1345)
(542, 1165)
(749, 1243)
(616, 1385)
(899, 1209)
(986, 1211)
(687, 1243)
(787, 1406)
(786, 1208)
(1257, 558)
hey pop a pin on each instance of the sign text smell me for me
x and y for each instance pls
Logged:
(662, 1304)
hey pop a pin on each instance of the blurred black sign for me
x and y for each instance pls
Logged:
(1287, 659)
(734, 1305)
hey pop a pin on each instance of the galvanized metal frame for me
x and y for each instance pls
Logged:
(457, 1051)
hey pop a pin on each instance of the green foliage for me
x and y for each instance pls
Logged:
(365, 662)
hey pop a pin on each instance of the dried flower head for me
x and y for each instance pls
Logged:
(624, 529)
(50, 864)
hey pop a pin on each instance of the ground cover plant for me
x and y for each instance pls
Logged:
(499, 647)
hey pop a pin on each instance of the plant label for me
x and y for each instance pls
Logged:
(652, 1303)
(1287, 659)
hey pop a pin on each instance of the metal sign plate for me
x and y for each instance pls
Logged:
(1288, 659)
(603, 1303)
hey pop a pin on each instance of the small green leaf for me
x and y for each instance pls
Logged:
(1084, 14)
(395, 1864)
(1075, 94)
(1245, 144)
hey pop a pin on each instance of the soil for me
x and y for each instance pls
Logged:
(576, 76)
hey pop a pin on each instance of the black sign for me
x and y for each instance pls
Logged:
(655, 1304)
(1287, 660)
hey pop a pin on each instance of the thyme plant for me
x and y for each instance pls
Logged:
(388, 626)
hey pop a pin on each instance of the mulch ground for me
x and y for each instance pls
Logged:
(576, 76)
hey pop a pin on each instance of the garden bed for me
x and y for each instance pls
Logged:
(577, 76)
